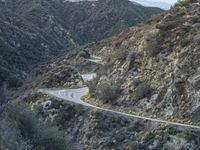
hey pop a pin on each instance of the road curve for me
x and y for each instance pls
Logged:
(88, 77)
(71, 95)
(95, 59)
(74, 96)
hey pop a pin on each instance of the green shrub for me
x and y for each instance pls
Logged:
(172, 131)
(41, 136)
(92, 86)
(84, 54)
(143, 90)
(196, 38)
(50, 138)
(155, 18)
(6, 76)
(166, 25)
(195, 19)
(25, 119)
(191, 135)
(149, 136)
(14, 82)
(185, 42)
(105, 69)
(183, 3)
(120, 55)
(10, 138)
(4, 73)
(136, 82)
(151, 44)
(131, 60)
(107, 92)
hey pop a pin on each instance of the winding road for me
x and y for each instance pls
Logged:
(88, 77)
(74, 96)
(95, 59)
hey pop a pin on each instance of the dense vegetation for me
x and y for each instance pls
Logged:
(20, 129)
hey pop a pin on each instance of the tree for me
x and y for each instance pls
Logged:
(3, 92)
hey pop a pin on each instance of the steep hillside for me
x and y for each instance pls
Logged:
(155, 66)
(104, 18)
(35, 31)
(23, 45)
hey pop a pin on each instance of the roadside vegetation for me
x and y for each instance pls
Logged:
(21, 129)
(107, 92)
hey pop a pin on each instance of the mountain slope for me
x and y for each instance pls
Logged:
(36, 31)
(156, 65)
